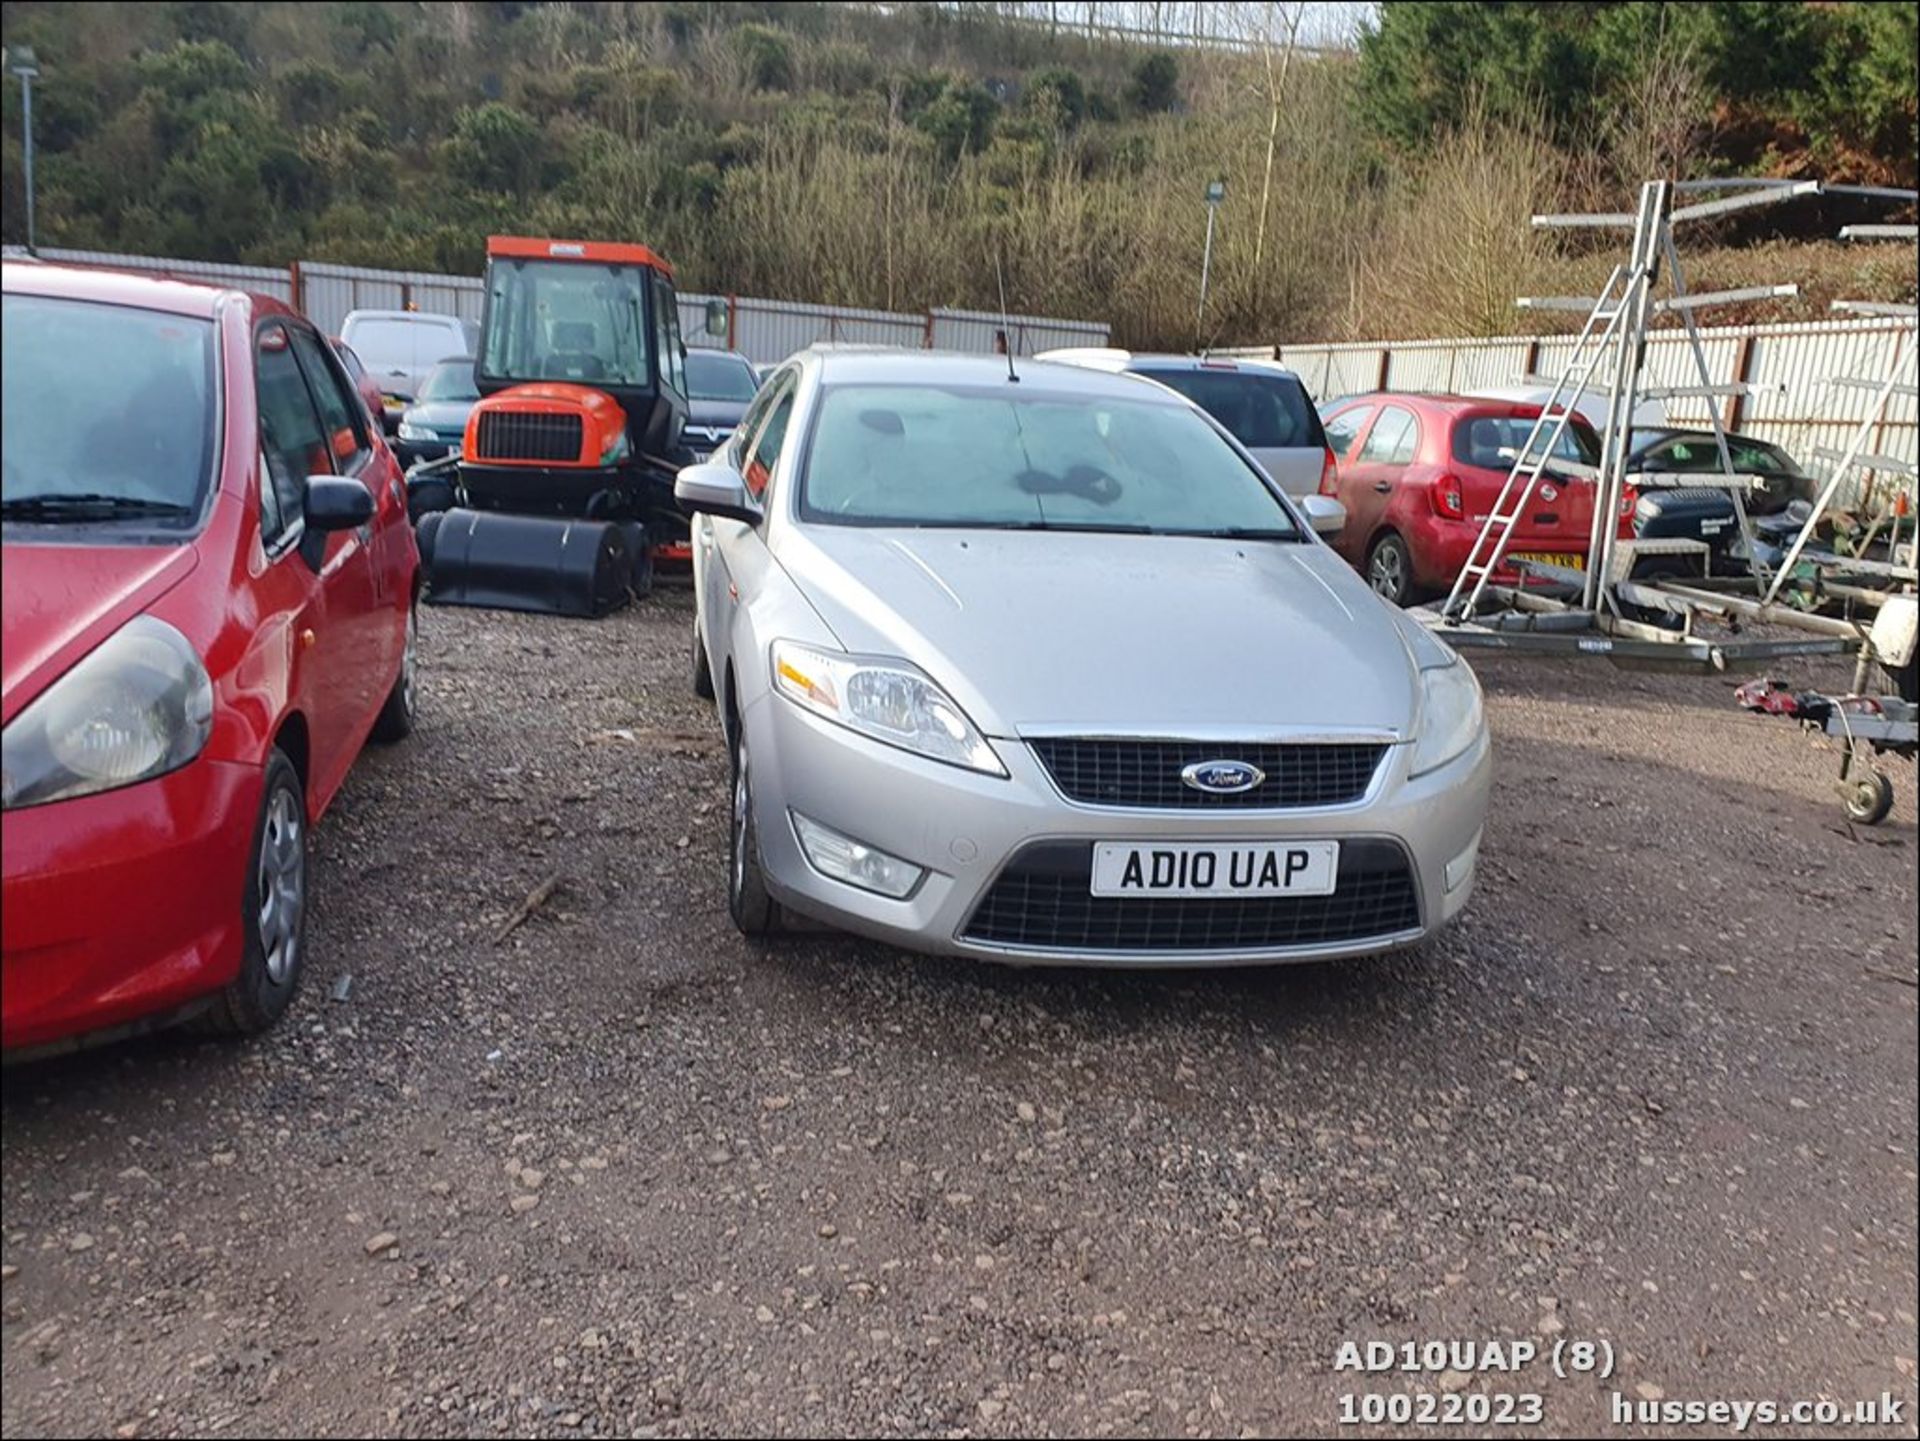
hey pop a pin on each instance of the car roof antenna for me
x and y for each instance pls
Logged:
(1006, 320)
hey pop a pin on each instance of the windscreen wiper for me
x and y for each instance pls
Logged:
(1094, 529)
(1241, 532)
(52, 506)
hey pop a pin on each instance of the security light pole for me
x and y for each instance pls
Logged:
(1216, 192)
(23, 64)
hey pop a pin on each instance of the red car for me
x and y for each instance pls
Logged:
(209, 586)
(1419, 474)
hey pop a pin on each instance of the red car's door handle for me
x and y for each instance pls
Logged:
(1383, 487)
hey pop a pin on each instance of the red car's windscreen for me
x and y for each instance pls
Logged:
(110, 413)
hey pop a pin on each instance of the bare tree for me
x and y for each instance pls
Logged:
(1288, 18)
(1662, 124)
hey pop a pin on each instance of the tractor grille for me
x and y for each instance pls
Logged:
(1043, 899)
(526, 435)
(1147, 772)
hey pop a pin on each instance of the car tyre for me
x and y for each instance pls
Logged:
(425, 532)
(395, 721)
(1390, 569)
(754, 911)
(273, 916)
(633, 535)
(702, 671)
(1870, 798)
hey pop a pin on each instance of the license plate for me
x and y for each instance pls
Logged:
(1215, 871)
(1560, 558)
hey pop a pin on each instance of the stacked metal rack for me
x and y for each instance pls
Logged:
(1612, 608)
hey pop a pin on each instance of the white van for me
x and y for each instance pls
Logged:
(401, 347)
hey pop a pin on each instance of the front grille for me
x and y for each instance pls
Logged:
(1147, 772)
(528, 435)
(1043, 899)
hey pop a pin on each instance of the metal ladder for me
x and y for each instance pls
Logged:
(1604, 321)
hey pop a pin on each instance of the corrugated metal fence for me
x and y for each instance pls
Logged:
(765, 331)
(269, 280)
(1792, 367)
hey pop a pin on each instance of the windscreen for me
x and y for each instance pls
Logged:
(567, 320)
(1493, 442)
(719, 377)
(1262, 412)
(1003, 457)
(107, 402)
(1702, 453)
(451, 380)
(394, 342)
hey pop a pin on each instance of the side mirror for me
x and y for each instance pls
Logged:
(714, 488)
(716, 317)
(337, 502)
(1326, 515)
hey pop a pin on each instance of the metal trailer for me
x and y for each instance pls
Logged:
(1613, 608)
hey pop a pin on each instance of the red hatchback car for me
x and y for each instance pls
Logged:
(1419, 474)
(209, 584)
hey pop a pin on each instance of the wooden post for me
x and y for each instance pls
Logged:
(296, 296)
(1742, 369)
(1386, 358)
(733, 321)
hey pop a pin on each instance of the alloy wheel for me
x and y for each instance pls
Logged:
(282, 884)
(740, 809)
(1384, 572)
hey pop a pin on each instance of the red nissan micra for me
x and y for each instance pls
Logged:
(208, 607)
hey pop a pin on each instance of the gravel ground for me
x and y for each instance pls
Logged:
(624, 1174)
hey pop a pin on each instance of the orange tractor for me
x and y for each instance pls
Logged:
(561, 496)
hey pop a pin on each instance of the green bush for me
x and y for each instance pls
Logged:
(767, 56)
(961, 120)
(1056, 96)
(496, 147)
(1155, 83)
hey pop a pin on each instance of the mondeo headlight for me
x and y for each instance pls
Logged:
(1450, 714)
(886, 699)
(139, 706)
(410, 431)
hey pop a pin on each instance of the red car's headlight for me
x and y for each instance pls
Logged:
(139, 706)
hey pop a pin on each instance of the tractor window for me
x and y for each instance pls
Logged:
(568, 320)
(666, 318)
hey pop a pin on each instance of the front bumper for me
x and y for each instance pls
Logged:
(412, 452)
(123, 906)
(968, 830)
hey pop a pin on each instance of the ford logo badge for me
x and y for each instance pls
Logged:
(1222, 778)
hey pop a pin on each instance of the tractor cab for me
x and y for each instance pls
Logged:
(596, 316)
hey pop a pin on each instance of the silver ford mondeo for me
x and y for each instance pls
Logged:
(1036, 665)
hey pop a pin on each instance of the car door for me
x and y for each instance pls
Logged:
(715, 538)
(1344, 428)
(741, 549)
(334, 680)
(1368, 483)
(388, 536)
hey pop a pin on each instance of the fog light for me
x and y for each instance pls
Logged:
(1460, 868)
(844, 859)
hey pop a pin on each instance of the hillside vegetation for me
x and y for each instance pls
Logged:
(887, 156)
